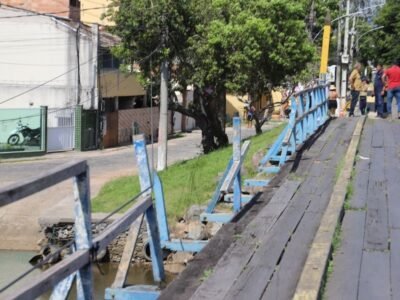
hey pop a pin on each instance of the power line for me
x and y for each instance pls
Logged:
(46, 82)
(68, 107)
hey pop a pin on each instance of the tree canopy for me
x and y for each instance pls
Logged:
(382, 46)
(219, 46)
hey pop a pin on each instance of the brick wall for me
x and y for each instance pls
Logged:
(46, 6)
(142, 116)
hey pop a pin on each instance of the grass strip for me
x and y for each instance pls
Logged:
(187, 182)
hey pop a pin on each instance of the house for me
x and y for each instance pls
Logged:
(52, 61)
(93, 11)
(69, 9)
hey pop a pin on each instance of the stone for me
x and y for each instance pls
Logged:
(181, 257)
(174, 268)
(197, 231)
(194, 212)
(179, 231)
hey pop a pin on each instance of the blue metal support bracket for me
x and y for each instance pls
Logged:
(140, 292)
(137, 292)
(230, 179)
(166, 242)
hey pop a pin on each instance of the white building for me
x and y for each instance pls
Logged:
(44, 59)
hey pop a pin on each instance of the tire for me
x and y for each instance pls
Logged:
(13, 139)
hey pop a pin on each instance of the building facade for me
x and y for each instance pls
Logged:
(61, 8)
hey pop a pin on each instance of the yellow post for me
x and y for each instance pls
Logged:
(325, 48)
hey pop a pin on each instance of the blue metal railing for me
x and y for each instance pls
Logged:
(309, 110)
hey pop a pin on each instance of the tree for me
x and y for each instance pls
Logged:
(219, 46)
(381, 45)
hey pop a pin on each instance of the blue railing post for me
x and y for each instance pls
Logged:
(160, 208)
(237, 191)
(151, 220)
(83, 232)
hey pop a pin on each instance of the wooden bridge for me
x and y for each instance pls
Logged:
(327, 225)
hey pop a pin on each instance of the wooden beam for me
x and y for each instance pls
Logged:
(118, 226)
(48, 279)
(51, 277)
(127, 254)
(309, 285)
(235, 168)
(30, 186)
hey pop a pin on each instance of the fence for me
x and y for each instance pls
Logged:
(60, 129)
(78, 265)
(309, 110)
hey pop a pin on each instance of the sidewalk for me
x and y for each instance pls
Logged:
(367, 263)
(19, 227)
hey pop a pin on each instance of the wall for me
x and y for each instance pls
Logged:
(46, 6)
(90, 15)
(34, 50)
(142, 116)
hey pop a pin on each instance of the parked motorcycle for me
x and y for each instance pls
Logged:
(23, 134)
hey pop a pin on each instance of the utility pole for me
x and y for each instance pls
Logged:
(78, 64)
(353, 34)
(345, 55)
(338, 62)
(163, 123)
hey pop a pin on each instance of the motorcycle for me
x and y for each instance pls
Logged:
(23, 134)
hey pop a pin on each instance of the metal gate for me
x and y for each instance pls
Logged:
(61, 129)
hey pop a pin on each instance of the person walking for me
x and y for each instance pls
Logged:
(363, 95)
(392, 79)
(379, 90)
(332, 103)
(355, 87)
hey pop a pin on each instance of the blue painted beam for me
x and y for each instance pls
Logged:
(140, 292)
(184, 245)
(256, 182)
(217, 217)
(245, 198)
(270, 170)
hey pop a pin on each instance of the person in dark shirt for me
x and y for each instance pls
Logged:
(379, 90)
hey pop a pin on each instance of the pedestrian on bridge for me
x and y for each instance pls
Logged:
(392, 80)
(363, 95)
(355, 87)
(379, 91)
(332, 104)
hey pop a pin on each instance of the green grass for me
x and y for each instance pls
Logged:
(185, 183)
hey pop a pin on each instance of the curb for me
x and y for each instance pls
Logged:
(310, 282)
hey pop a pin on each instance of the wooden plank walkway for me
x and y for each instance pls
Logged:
(265, 260)
(367, 264)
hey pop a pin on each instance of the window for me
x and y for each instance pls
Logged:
(74, 3)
